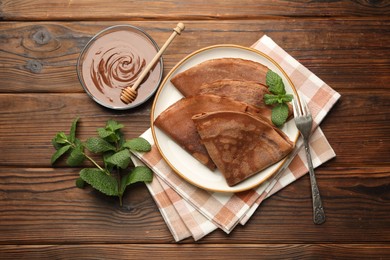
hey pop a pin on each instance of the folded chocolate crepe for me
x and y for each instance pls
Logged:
(240, 144)
(176, 121)
(249, 92)
(189, 81)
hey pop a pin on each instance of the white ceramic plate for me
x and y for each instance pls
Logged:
(182, 162)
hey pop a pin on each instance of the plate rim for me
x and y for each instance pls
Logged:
(161, 87)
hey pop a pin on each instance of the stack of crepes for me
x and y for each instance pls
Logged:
(191, 211)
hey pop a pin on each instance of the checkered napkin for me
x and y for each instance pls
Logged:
(191, 211)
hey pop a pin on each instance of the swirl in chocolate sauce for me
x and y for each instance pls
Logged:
(113, 61)
(116, 68)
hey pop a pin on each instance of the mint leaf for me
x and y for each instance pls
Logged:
(109, 166)
(72, 133)
(59, 153)
(279, 114)
(121, 137)
(113, 125)
(104, 133)
(55, 144)
(76, 156)
(60, 138)
(287, 98)
(270, 99)
(111, 132)
(138, 174)
(138, 144)
(98, 145)
(108, 135)
(80, 183)
(120, 159)
(99, 180)
(275, 83)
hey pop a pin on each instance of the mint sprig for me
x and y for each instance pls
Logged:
(278, 99)
(117, 173)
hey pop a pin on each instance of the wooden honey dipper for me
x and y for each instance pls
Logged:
(130, 93)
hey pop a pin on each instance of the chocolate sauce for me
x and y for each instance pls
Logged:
(113, 61)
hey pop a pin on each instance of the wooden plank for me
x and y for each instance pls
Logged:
(351, 198)
(43, 115)
(41, 57)
(43, 206)
(362, 139)
(202, 251)
(173, 9)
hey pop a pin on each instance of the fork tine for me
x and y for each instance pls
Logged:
(296, 108)
(305, 108)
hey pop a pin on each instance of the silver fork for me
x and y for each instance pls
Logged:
(304, 122)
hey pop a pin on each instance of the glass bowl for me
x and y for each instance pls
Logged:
(112, 60)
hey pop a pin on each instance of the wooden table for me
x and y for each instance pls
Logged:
(43, 214)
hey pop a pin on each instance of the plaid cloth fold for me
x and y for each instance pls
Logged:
(191, 211)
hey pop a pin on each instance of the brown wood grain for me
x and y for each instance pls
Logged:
(32, 120)
(203, 251)
(362, 138)
(339, 58)
(173, 9)
(44, 206)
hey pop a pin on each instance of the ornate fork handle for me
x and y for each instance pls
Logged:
(318, 210)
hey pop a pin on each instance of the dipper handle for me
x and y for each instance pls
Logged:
(130, 93)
